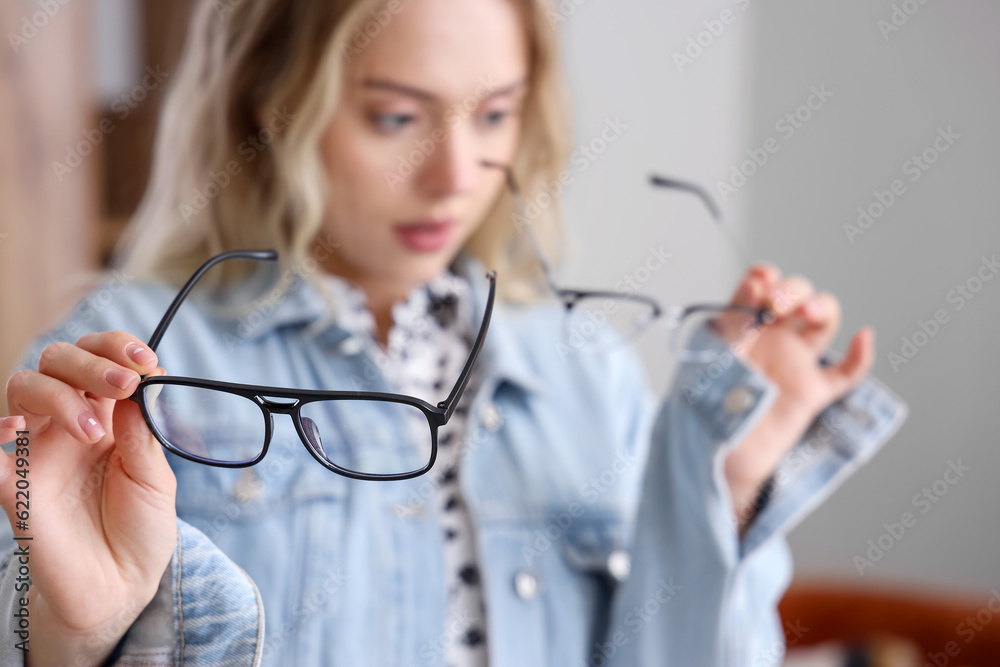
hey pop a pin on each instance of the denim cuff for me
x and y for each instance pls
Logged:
(207, 611)
(839, 441)
(724, 391)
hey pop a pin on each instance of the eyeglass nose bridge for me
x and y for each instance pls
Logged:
(285, 406)
(672, 316)
(305, 427)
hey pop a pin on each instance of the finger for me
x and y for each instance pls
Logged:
(121, 348)
(9, 426)
(33, 393)
(758, 280)
(821, 316)
(857, 362)
(756, 283)
(88, 372)
(787, 294)
(767, 272)
(142, 455)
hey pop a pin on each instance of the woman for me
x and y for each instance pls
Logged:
(561, 528)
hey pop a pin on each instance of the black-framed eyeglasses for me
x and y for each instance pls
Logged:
(588, 312)
(358, 434)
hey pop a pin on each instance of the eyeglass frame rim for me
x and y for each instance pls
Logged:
(436, 415)
(570, 296)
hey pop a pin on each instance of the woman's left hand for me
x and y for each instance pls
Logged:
(787, 351)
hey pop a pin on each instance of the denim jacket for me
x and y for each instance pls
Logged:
(604, 528)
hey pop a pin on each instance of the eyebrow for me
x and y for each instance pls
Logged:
(385, 84)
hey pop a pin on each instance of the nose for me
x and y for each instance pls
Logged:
(452, 168)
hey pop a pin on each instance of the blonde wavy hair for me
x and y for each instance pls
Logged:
(245, 56)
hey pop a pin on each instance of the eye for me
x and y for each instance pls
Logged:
(495, 118)
(389, 122)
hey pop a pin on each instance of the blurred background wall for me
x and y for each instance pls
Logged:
(80, 85)
(904, 99)
(47, 228)
(906, 74)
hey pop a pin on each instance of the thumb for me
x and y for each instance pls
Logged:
(142, 455)
(858, 360)
(8, 433)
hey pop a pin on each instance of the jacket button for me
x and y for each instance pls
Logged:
(526, 584)
(737, 400)
(490, 415)
(619, 564)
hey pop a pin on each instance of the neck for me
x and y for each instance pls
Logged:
(381, 294)
(380, 303)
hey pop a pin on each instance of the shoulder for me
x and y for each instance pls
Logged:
(536, 334)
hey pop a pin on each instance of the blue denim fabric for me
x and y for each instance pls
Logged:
(605, 532)
(206, 612)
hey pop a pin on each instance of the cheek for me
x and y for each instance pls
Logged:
(358, 187)
(356, 163)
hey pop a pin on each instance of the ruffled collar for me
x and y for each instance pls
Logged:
(441, 304)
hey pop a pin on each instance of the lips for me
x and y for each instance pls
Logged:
(425, 235)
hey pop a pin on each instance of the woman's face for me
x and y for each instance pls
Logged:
(437, 90)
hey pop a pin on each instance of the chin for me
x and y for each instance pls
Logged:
(415, 270)
(424, 266)
(430, 267)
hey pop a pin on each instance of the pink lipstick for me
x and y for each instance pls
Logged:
(425, 235)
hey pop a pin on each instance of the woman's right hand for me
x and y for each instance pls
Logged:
(102, 514)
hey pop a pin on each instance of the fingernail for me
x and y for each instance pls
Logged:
(90, 425)
(121, 379)
(140, 354)
(816, 306)
(15, 421)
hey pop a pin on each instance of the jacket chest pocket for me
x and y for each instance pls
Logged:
(596, 558)
(555, 578)
(213, 498)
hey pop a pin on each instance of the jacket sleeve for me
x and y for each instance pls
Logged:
(206, 611)
(697, 594)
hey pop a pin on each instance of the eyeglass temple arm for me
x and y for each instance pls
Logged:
(263, 255)
(764, 315)
(713, 208)
(521, 207)
(449, 404)
(697, 190)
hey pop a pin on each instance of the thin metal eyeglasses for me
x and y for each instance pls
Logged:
(587, 311)
(359, 434)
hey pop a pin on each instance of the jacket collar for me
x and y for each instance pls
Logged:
(503, 356)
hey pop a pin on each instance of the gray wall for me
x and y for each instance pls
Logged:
(940, 69)
(892, 91)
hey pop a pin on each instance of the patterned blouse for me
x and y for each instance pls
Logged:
(427, 347)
